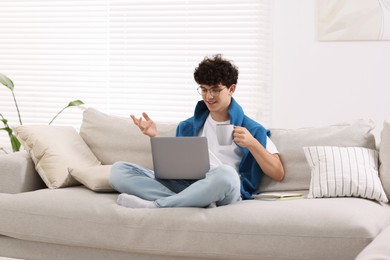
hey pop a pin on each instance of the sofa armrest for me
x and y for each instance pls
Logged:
(378, 248)
(17, 173)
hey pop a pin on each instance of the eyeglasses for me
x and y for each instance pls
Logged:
(213, 91)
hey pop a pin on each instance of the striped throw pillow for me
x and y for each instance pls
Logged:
(344, 172)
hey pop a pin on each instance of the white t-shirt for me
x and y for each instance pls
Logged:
(225, 154)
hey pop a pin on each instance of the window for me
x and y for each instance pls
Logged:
(128, 56)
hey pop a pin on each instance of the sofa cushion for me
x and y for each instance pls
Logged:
(113, 138)
(291, 141)
(337, 228)
(384, 157)
(344, 171)
(95, 178)
(54, 149)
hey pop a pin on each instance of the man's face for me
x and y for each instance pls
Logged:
(217, 97)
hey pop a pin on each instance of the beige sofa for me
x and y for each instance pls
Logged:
(78, 218)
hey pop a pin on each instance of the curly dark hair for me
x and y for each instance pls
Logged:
(216, 70)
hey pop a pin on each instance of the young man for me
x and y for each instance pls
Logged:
(236, 169)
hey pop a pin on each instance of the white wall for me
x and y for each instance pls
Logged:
(319, 83)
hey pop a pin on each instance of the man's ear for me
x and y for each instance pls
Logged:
(231, 89)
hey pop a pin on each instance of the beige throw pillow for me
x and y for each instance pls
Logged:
(54, 149)
(113, 138)
(290, 142)
(344, 172)
(95, 178)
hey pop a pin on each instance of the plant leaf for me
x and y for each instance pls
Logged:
(15, 143)
(13, 139)
(75, 103)
(6, 82)
(71, 104)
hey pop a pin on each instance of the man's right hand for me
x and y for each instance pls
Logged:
(147, 126)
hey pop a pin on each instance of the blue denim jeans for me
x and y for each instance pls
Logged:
(221, 185)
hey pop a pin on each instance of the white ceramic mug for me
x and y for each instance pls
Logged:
(225, 134)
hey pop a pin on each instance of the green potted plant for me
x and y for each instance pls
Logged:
(15, 144)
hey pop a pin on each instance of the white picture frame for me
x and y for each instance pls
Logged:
(353, 20)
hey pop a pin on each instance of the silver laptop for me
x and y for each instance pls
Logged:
(180, 157)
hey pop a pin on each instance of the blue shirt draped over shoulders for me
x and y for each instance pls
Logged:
(249, 170)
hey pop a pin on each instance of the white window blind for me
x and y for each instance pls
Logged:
(55, 52)
(128, 56)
